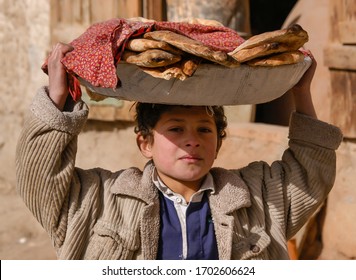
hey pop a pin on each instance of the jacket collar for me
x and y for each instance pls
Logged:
(231, 192)
(135, 183)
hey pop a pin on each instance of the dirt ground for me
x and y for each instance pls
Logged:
(21, 237)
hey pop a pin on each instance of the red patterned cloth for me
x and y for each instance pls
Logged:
(97, 51)
(216, 37)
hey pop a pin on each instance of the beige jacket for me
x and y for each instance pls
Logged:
(97, 214)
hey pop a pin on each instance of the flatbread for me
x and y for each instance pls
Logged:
(190, 65)
(180, 70)
(151, 58)
(166, 73)
(260, 51)
(278, 59)
(141, 45)
(188, 45)
(288, 39)
(294, 34)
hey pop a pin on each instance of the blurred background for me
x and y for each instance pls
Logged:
(29, 29)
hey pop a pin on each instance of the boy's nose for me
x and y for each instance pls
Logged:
(193, 144)
(192, 140)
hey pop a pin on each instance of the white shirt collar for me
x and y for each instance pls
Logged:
(208, 184)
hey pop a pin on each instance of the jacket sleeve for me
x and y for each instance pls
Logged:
(293, 188)
(45, 159)
(309, 168)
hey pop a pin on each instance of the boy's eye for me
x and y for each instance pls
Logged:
(175, 129)
(205, 129)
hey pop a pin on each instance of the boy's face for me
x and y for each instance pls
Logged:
(184, 145)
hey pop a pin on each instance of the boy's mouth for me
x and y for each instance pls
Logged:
(191, 158)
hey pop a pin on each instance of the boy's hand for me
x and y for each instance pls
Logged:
(58, 84)
(302, 92)
(305, 82)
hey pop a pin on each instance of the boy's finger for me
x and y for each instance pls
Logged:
(61, 49)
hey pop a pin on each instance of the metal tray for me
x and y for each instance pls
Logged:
(210, 85)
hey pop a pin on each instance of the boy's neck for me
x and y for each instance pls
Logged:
(185, 188)
(186, 191)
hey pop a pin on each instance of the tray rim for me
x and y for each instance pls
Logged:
(137, 85)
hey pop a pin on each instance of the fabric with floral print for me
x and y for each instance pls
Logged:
(219, 38)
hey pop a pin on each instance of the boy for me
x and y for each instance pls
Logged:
(178, 207)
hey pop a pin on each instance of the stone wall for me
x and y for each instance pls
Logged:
(24, 41)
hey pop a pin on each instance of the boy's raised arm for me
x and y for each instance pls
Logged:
(302, 93)
(46, 150)
(58, 84)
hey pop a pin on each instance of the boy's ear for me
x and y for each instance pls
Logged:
(144, 144)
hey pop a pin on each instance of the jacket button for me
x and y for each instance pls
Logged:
(255, 249)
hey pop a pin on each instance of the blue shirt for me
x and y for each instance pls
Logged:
(187, 230)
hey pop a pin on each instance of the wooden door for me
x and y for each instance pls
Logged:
(70, 18)
(340, 57)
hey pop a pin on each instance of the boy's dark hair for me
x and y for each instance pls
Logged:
(147, 115)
